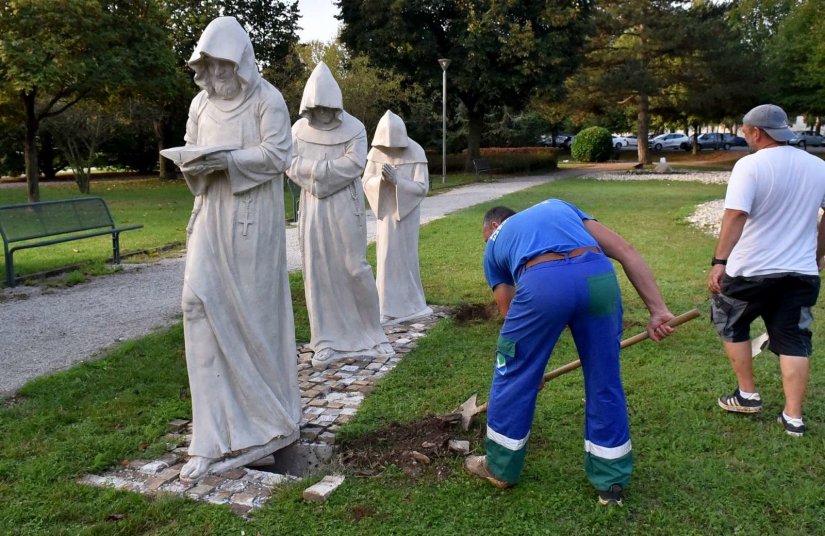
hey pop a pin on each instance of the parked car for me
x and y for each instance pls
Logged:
(670, 141)
(738, 141)
(714, 140)
(806, 138)
(623, 141)
(564, 140)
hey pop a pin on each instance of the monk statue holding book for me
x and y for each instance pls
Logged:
(237, 309)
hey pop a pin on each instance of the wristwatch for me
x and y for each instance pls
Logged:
(714, 261)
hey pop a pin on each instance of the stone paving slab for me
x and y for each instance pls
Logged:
(330, 398)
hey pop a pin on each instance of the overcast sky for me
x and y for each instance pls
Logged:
(318, 22)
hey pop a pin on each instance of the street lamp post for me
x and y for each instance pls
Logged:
(444, 64)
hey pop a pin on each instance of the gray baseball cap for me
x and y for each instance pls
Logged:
(772, 119)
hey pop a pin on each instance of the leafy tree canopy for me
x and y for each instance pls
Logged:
(672, 60)
(368, 91)
(55, 54)
(272, 25)
(797, 59)
(501, 51)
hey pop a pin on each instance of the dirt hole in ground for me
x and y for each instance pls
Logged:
(402, 446)
(467, 313)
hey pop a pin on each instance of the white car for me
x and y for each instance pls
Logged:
(670, 141)
(806, 138)
(623, 141)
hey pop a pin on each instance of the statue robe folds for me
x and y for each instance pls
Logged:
(340, 289)
(238, 322)
(398, 213)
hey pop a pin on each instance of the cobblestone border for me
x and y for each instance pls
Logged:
(330, 398)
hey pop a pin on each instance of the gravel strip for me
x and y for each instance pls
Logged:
(707, 216)
(707, 177)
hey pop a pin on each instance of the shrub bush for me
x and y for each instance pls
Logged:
(592, 144)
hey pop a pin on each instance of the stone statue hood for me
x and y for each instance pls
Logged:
(391, 145)
(322, 90)
(224, 38)
(390, 132)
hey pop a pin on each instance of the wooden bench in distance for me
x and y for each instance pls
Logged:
(27, 224)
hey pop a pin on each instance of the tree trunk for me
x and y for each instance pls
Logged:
(475, 124)
(46, 156)
(166, 169)
(83, 178)
(30, 147)
(643, 117)
(695, 140)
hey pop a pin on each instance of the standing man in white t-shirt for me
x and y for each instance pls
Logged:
(767, 260)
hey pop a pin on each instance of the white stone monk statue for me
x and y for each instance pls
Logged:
(395, 181)
(237, 310)
(329, 153)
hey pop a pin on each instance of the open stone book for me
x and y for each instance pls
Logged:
(189, 153)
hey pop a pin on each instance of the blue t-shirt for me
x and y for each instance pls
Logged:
(552, 225)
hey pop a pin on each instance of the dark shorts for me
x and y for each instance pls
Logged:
(783, 301)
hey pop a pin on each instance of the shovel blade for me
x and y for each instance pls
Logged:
(467, 410)
(758, 344)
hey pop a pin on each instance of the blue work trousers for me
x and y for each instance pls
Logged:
(582, 293)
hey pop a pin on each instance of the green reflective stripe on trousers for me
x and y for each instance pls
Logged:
(603, 473)
(505, 464)
(604, 294)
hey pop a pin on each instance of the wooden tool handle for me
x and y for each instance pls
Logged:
(676, 321)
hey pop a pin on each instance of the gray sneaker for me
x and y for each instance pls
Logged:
(735, 403)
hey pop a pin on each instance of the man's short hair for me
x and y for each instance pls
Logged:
(497, 214)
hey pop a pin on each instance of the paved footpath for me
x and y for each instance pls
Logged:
(43, 331)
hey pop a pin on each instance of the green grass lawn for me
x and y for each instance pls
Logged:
(698, 470)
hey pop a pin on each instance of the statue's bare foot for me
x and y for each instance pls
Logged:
(195, 468)
(384, 349)
(322, 358)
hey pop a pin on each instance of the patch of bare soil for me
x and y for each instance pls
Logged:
(12, 400)
(359, 512)
(467, 313)
(416, 448)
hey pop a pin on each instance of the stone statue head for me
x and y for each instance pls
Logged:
(322, 104)
(224, 61)
(390, 132)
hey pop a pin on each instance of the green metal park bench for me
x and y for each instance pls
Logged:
(482, 165)
(295, 193)
(25, 225)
